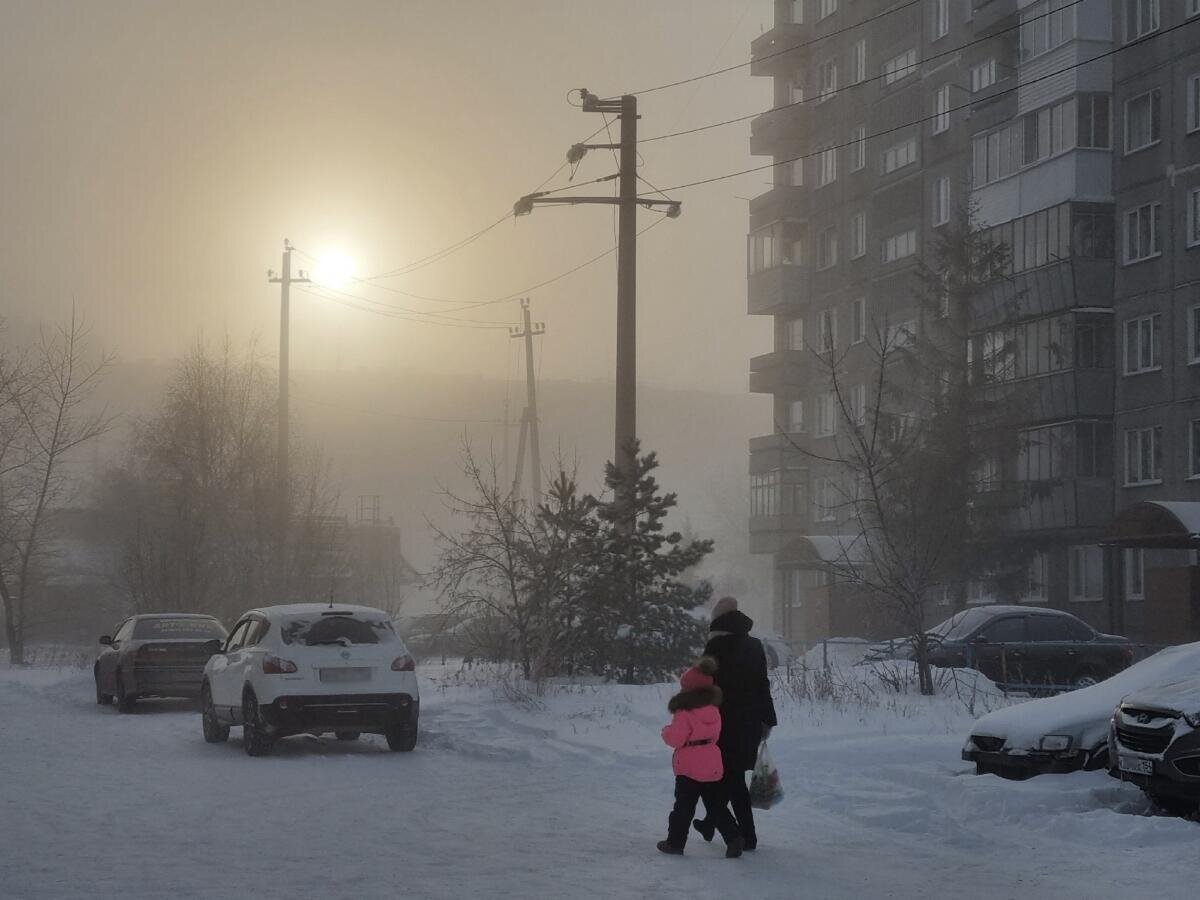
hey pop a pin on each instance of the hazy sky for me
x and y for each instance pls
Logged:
(154, 155)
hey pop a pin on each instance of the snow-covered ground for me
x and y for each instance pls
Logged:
(562, 796)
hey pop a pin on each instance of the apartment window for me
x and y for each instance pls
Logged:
(941, 200)
(1194, 448)
(858, 320)
(858, 62)
(826, 415)
(1093, 127)
(796, 92)
(1193, 102)
(899, 246)
(795, 172)
(1093, 450)
(796, 417)
(825, 499)
(1193, 217)
(1143, 345)
(858, 148)
(983, 75)
(1143, 455)
(762, 251)
(827, 247)
(794, 334)
(1142, 227)
(899, 66)
(828, 330)
(826, 167)
(1135, 573)
(1048, 131)
(941, 19)
(900, 336)
(1141, 18)
(941, 109)
(1037, 579)
(899, 155)
(1046, 26)
(858, 404)
(1086, 572)
(858, 235)
(1142, 120)
(996, 155)
(764, 494)
(828, 74)
(828, 7)
(1193, 8)
(797, 12)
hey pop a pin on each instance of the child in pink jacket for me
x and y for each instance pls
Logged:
(693, 731)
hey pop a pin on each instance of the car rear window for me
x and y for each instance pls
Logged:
(336, 629)
(961, 624)
(188, 629)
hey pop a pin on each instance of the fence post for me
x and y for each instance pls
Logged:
(825, 654)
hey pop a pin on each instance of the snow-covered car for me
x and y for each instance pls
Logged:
(1020, 647)
(1069, 731)
(311, 668)
(155, 655)
(777, 651)
(1156, 742)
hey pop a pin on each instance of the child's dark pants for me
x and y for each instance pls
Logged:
(687, 792)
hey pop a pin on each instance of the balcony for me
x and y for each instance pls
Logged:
(771, 452)
(1068, 503)
(770, 534)
(768, 52)
(781, 369)
(1069, 394)
(772, 290)
(776, 126)
(781, 202)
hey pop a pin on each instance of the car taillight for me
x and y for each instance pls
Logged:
(404, 663)
(273, 665)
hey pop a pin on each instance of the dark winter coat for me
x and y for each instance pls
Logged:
(742, 677)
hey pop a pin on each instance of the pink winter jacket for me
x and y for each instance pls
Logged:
(700, 761)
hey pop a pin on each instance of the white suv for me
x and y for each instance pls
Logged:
(311, 668)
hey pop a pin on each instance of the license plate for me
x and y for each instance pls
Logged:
(1135, 764)
(345, 674)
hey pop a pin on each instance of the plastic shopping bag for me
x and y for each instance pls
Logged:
(765, 787)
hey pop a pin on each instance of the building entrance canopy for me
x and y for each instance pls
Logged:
(825, 551)
(1167, 524)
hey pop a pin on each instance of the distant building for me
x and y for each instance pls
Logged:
(1090, 174)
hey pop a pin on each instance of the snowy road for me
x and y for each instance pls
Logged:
(562, 800)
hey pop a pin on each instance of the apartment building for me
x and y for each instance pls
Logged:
(1076, 155)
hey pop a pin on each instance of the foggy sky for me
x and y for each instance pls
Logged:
(153, 156)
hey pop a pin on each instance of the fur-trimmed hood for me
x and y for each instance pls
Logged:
(705, 696)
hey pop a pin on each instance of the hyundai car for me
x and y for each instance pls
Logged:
(1156, 742)
(1069, 731)
(161, 655)
(311, 668)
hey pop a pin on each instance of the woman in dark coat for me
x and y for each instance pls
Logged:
(747, 713)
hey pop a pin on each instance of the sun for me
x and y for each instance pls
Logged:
(334, 269)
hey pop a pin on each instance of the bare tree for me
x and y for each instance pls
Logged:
(45, 415)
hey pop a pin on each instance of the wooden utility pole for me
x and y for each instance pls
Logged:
(530, 419)
(284, 279)
(627, 201)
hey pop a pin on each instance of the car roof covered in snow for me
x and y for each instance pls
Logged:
(287, 610)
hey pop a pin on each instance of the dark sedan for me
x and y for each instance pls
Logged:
(161, 655)
(1025, 647)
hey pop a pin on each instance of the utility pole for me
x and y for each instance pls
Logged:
(530, 419)
(627, 202)
(284, 279)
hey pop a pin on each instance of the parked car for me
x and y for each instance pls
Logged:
(1020, 646)
(311, 668)
(160, 655)
(1069, 731)
(1156, 742)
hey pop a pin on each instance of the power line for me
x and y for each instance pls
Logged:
(381, 415)
(793, 49)
(404, 316)
(820, 98)
(930, 118)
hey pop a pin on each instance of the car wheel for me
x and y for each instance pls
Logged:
(1174, 806)
(215, 732)
(1085, 679)
(102, 698)
(255, 739)
(124, 700)
(401, 738)
(347, 735)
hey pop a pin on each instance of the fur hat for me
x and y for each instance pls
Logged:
(724, 605)
(700, 675)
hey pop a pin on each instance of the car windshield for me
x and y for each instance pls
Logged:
(338, 628)
(181, 628)
(961, 624)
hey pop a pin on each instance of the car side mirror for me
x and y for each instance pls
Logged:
(980, 639)
(215, 645)
(106, 639)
